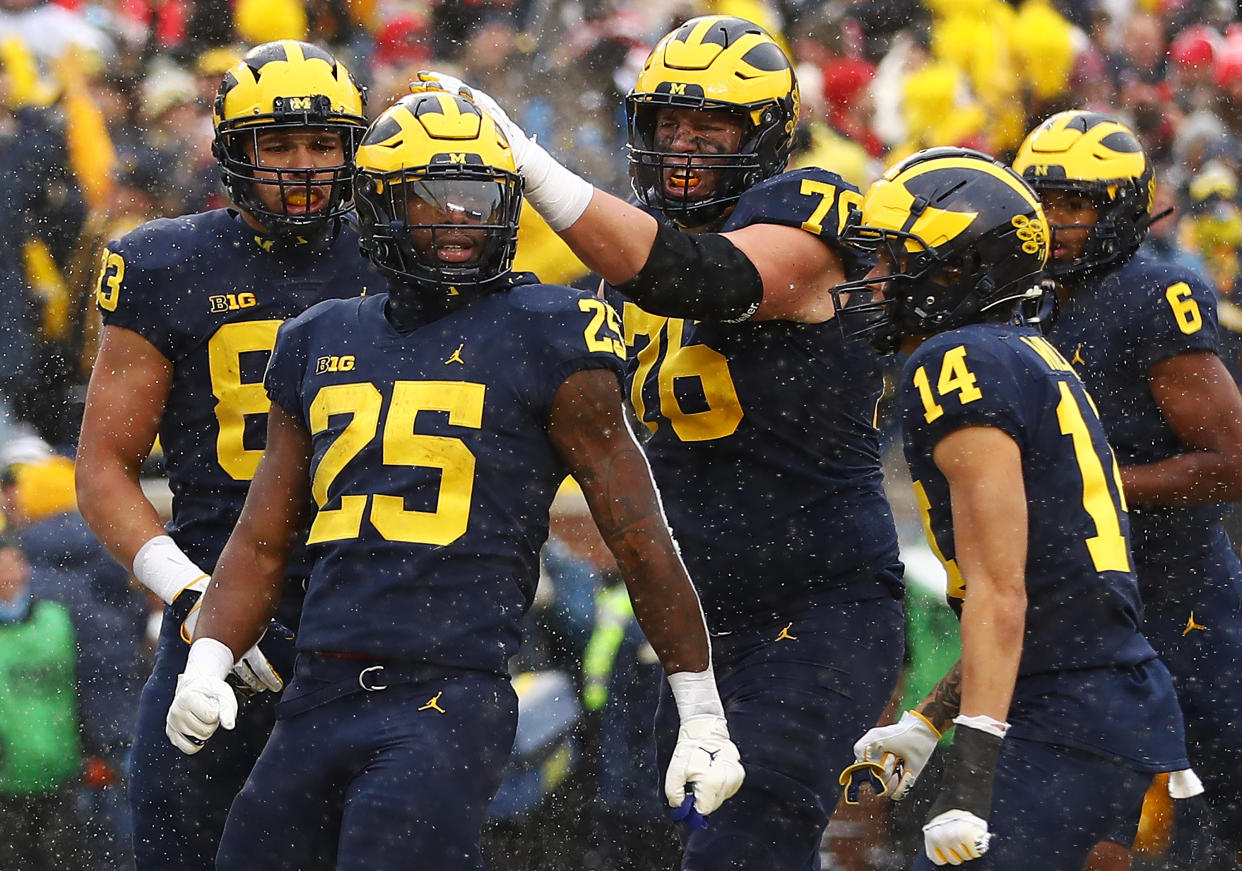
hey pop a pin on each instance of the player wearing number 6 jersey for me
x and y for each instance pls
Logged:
(191, 307)
(425, 432)
(1063, 713)
(1143, 335)
(760, 421)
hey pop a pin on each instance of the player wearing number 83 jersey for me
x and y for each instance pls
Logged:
(209, 293)
(191, 307)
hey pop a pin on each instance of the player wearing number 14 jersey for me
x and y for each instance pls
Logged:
(1062, 711)
(191, 307)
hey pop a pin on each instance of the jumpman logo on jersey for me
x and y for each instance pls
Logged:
(710, 753)
(433, 704)
(265, 244)
(1078, 355)
(785, 636)
(1192, 625)
(455, 357)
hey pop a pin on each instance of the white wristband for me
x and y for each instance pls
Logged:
(983, 723)
(209, 657)
(556, 193)
(695, 694)
(162, 568)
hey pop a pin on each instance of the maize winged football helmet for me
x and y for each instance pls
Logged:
(286, 85)
(713, 63)
(961, 238)
(434, 167)
(1097, 156)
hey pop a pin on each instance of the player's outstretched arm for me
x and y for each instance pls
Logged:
(1201, 402)
(772, 272)
(590, 431)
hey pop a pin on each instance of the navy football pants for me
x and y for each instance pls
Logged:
(180, 802)
(377, 781)
(1204, 655)
(797, 699)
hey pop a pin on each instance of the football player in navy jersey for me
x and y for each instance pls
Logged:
(1063, 712)
(190, 308)
(1143, 335)
(760, 422)
(423, 433)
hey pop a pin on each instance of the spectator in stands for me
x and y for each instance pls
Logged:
(42, 756)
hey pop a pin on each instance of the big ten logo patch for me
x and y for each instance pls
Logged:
(344, 363)
(231, 302)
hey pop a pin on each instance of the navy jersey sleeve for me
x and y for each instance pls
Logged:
(575, 330)
(132, 276)
(813, 200)
(287, 366)
(952, 382)
(1179, 315)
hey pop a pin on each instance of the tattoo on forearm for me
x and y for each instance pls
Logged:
(946, 699)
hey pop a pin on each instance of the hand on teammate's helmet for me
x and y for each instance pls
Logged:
(708, 759)
(430, 80)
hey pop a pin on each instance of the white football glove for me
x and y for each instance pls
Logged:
(204, 701)
(430, 80)
(954, 837)
(254, 669)
(708, 759)
(902, 750)
(556, 193)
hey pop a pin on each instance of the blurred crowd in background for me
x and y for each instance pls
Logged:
(105, 122)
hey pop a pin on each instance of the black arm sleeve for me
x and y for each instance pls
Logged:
(698, 276)
(969, 772)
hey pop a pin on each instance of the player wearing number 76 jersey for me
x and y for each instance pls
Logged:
(1063, 713)
(190, 309)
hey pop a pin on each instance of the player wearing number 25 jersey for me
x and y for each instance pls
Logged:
(1143, 335)
(1063, 713)
(191, 307)
(426, 431)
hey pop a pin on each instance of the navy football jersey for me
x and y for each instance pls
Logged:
(763, 439)
(204, 291)
(1077, 680)
(1113, 331)
(432, 469)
